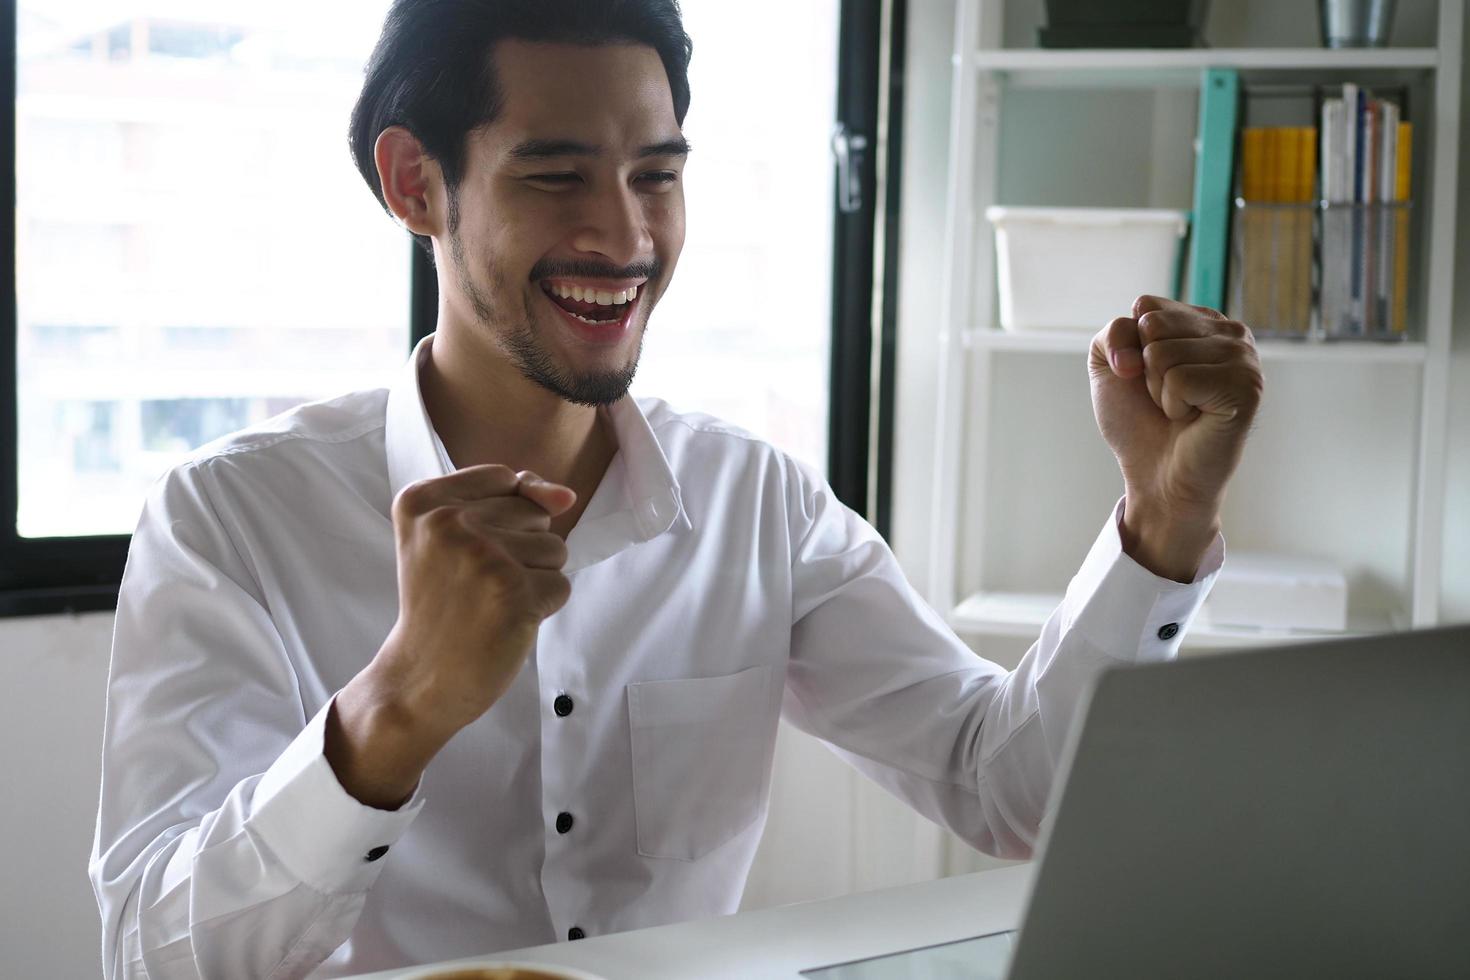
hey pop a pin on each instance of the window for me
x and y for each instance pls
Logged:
(172, 173)
(171, 177)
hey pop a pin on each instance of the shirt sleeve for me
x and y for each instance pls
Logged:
(225, 846)
(877, 674)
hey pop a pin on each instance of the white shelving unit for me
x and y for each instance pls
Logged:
(1156, 68)
(1076, 342)
(1348, 458)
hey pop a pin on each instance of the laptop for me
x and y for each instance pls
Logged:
(1302, 811)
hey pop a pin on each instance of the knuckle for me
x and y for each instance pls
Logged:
(496, 469)
(1150, 325)
(558, 591)
(443, 520)
(1236, 330)
(499, 470)
(412, 499)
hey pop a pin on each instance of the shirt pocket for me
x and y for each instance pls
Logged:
(701, 749)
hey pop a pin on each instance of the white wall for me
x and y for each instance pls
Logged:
(53, 673)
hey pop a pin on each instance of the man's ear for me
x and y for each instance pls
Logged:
(413, 186)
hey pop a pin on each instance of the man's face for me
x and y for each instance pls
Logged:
(570, 214)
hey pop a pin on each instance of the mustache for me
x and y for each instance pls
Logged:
(581, 269)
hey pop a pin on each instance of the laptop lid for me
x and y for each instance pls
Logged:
(1289, 812)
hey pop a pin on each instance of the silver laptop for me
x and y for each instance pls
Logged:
(1302, 811)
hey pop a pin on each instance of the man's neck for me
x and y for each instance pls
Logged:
(486, 411)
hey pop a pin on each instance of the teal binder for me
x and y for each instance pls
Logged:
(1219, 95)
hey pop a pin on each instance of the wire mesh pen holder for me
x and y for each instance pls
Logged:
(1321, 270)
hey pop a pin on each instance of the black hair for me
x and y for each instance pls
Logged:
(431, 71)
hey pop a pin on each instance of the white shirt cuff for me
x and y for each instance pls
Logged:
(321, 833)
(1128, 611)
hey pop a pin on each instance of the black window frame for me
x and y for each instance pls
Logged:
(47, 576)
(864, 351)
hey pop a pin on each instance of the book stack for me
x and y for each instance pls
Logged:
(1366, 150)
(1278, 166)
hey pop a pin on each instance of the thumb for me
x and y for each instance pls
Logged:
(553, 498)
(1119, 348)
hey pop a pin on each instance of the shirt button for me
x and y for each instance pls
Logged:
(562, 705)
(563, 822)
(376, 853)
(1168, 631)
(576, 933)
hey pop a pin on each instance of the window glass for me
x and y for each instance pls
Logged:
(194, 249)
(744, 330)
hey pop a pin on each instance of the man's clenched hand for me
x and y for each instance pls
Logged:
(1174, 389)
(478, 570)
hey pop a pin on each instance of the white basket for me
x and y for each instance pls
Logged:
(1068, 268)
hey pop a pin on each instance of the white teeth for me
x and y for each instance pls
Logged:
(601, 297)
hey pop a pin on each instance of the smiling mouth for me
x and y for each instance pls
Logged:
(591, 302)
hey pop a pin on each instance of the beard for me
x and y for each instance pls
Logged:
(591, 388)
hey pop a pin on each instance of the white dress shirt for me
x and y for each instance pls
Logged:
(717, 587)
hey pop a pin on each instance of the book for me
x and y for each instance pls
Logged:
(1386, 224)
(1364, 243)
(1306, 175)
(1367, 196)
(1403, 158)
(1219, 94)
(1273, 287)
(1283, 283)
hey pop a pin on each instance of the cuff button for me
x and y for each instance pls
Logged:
(376, 853)
(1168, 631)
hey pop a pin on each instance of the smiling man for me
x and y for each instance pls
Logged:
(496, 656)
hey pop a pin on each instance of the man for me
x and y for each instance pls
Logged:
(534, 638)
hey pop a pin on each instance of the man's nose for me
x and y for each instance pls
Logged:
(616, 227)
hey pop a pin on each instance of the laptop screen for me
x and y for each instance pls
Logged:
(981, 958)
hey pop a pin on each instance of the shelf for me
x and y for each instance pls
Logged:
(1171, 67)
(1021, 615)
(1077, 342)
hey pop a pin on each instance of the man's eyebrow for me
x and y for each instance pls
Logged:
(678, 147)
(541, 149)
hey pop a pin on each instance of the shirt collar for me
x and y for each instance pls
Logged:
(638, 499)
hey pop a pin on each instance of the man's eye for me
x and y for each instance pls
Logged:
(560, 178)
(660, 176)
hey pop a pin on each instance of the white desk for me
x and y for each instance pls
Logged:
(781, 942)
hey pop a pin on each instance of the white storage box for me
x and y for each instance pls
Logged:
(1065, 268)
(1278, 592)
